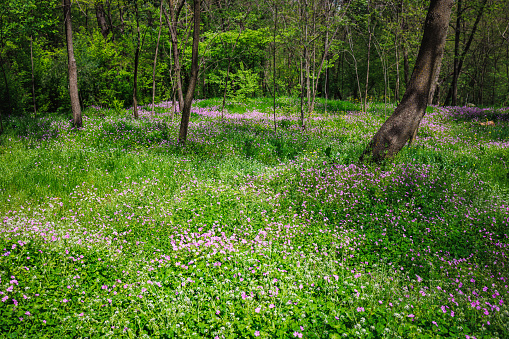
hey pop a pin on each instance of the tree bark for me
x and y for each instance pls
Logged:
(136, 62)
(155, 58)
(401, 125)
(458, 59)
(73, 70)
(101, 20)
(406, 66)
(457, 35)
(33, 78)
(186, 112)
(172, 26)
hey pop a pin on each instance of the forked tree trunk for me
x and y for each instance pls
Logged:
(401, 125)
(186, 111)
(73, 70)
(172, 26)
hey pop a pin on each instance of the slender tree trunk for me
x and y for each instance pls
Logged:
(186, 112)
(367, 70)
(121, 16)
(406, 66)
(274, 70)
(396, 89)
(355, 63)
(400, 126)
(459, 59)
(301, 95)
(101, 20)
(155, 59)
(172, 26)
(136, 62)
(228, 72)
(7, 90)
(73, 70)
(33, 78)
(457, 35)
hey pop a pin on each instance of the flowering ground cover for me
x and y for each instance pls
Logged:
(116, 230)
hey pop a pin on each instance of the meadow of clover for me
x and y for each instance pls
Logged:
(115, 230)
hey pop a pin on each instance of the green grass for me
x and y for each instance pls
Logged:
(116, 230)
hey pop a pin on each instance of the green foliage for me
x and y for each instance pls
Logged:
(246, 231)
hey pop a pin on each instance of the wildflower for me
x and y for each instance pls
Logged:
(27, 313)
(218, 312)
(257, 333)
(297, 334)
(360, 309)
(258, 309)
(271, 306)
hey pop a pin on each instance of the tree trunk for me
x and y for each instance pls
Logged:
(406, 66)
(155, 58)
(458, 59)
(136, 62)
(274, 69)
(8, 92)
(401, 125)
(186, 112)
(33, 78)
(101, 20)
(435, 81)
(73, 71)
(396, 89)
(228, 72)
(172, 26)
(457, 36)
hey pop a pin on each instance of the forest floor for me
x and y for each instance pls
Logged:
(115, 230)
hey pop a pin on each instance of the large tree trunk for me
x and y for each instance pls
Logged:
(73, 70)
(186, 111)
(401, 125)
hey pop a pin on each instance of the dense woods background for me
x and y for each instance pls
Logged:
(357, 50)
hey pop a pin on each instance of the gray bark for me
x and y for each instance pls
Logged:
(401, 125)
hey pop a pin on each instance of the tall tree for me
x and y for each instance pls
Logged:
(401, 125)
(136, 61)
(186, 112)
(101, 19)
(172, 21)
(155, 58)
(73, 70)
(459, 58)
